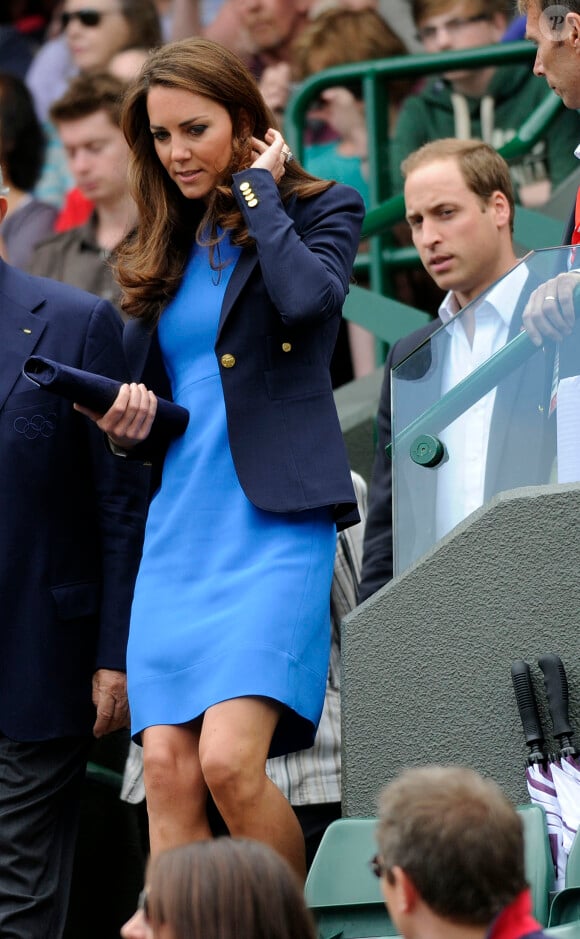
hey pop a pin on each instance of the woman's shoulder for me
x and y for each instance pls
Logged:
(337, 197)
(334, 191)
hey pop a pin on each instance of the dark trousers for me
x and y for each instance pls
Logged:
(40, 786)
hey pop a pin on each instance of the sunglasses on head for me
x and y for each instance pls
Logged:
(85, 17)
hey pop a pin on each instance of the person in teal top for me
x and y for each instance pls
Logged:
(339, 36)
(336, 37)
(234, 282)
(325, 160)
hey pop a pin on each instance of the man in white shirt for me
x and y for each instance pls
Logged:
(460, 208)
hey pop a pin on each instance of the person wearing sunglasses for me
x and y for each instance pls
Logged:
(214, 889)
(451, 857)
(93, 31)
(488, 103)
(96, 29)
(100, 29)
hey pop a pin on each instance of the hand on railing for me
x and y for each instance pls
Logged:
(549, 312)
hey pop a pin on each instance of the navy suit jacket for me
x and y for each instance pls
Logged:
(276, 335)
(72, 515)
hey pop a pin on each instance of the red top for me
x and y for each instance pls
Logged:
(576, 232)
(516, 920)
(76, 211)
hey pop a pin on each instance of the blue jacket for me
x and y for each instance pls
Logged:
(275, 338)
(72, 515)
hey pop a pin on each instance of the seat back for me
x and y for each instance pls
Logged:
(567, 931)
(341, 890)
(572, 876)
(565, 907)
(538, 859)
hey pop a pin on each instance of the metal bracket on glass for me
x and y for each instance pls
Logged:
(427, 450)
(469, 390)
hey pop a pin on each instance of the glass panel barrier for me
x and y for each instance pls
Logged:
(478, 409)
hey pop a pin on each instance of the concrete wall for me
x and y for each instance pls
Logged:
(426, 661)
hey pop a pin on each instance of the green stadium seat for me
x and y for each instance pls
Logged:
(573, 864)
(538, 859)
(566, 931)
(341, 890)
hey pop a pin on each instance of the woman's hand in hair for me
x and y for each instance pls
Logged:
(271, 153)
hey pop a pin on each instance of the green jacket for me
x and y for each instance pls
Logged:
(513, 93)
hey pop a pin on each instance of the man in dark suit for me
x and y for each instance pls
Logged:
(71, 537)
(460, 206)
(555, 30)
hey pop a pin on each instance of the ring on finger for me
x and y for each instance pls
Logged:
(550, 298)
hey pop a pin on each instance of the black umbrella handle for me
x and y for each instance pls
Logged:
(556, 683)
(526, 702)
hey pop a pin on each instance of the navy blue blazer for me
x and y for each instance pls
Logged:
(72, 515)
(276, 335)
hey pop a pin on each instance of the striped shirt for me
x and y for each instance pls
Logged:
(313, 776)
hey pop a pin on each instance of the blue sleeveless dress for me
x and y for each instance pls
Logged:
(230, 600)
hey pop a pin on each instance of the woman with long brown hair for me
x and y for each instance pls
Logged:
(220, 890)
(235, 282)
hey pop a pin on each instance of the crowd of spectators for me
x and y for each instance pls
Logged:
(47, 43)
(284, 42)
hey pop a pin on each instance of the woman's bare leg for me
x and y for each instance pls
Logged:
(174, 786)
(233, 747)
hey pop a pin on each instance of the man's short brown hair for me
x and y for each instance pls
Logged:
(423, 9)
(456, 837)
(482, 168)
(87, 94)
(572, 5)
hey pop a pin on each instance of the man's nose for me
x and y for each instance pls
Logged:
(79, 162)
(538, 67)
(429, 232)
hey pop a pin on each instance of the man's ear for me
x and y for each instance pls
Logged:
(572, 29)
(500, 205)
(402, 893)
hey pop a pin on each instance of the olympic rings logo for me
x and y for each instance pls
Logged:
(41, 425)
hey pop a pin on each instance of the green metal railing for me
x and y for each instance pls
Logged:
(382, 254)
